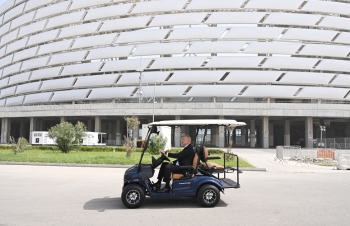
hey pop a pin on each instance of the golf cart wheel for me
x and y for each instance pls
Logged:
(208, 195)
(133, 196)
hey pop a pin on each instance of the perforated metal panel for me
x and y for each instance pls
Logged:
(292, 19)
(78, 4)
(16, 45)
(309, 34)
(325, 50)
(13, 12)
(42, 37)
(77, 69)
(52, 9)
(163, 91)
(57, 84)
(11, 69)
(342, 80)
(195, 77)
(344, 37)
(126, 65)
(322, 92)
(159, 6)
(148, 78)
(14, 101)
(96, 80)
(235, 18)
(111, 52)
(6, 60)
(71, 95)
(19, 78)
(28, 88)
(65, 19)
(32, 28)
(45, 73)
(306, 78)
(270, 91)
(273, 47)
(178, 62)
(37, 98)
(8, 91)
(125, 23)
(22, 20)
(110, 93)
(178, 19)
(142, 36)
(197, 33)
(216, 47)
(335, 22)
(334, 65)
(290, 62)
(109, 11)
(215, 90)
(234, 62)
(254, 33)
(55, 47)
(34, 63)
(32, 4)
(67, 57)
(274, 4)
(217, 4)
(96, 40)
(4, 82)
(252, 77)
(79, 29)
(160, 48)
(326, 7)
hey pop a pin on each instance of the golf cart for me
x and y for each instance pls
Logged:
(198, 181)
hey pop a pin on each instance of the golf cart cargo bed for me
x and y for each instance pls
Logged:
(228, 183)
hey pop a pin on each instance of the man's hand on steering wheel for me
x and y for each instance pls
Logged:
(163, 153)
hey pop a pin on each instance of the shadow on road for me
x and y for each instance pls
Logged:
(107, 203)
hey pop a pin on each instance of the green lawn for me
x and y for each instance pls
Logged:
(90, 158)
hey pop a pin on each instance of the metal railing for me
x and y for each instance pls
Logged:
(332, 143)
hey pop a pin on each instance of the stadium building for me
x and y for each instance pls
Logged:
(281, 66)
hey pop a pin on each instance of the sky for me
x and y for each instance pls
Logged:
(2, 1)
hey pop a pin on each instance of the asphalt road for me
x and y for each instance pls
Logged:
(41, 195)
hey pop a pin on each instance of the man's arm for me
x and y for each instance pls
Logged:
(185, 152)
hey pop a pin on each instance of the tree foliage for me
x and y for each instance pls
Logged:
(131, 125)
(67, 136)
(157, 142)
(19, 146)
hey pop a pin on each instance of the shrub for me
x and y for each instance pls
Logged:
(157, 142)
(18, 146)
(67, 136)
(131, 124)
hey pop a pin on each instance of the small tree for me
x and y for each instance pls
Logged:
(131, 124)
(230, 144)
(67, 136)
(18, 146)
(157, 142)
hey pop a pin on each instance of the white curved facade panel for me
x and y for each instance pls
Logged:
(164, 91)
(193, 77)
(111, 52)
(70, 95)
(81, 29)
(57, 84)
(309, 35)
(335, 22)
(28, 88)
(81, 69)
(216, 47)
(97, 40)
(326, 7)
(273, 47)
(55, 47)
(178, 62)
(52, 9)
(325, 50)
(126, 65)
(125, 23)
(292, 19)
(253, 33)
(67, 57)
(110, 11)
(14, 101)
(270, 91)
(42, 37)
(32, 28)
(37, 98)
(87, 50)
(334, 65)
(178, 19)
(34, 63)
(96, 81)
(274, 4)
(234, 62)
(197, 33)
(217, 4)
(322, 93)
(215, 90)
(142, 36)
(78, 4)
(110, 93)
(290, 63)
(45, 73)
(65, 19)
(33, 4)
(344, 37)
(235, 18)
(23, 77)
(306, 78)
(252, 77)
(159, 6)
(148, 78)
(160, 48)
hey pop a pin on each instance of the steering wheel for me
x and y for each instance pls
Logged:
(165, 157)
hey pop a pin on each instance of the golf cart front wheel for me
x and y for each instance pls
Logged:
(133, 196)
(208, 195)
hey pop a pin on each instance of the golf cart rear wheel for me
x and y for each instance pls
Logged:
(133, 196)
(208, 195)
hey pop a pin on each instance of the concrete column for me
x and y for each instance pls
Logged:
(21, 129)
(252, 133)
(118, 137)
(32, 127)
(287, 133)
(265, 132)
(5, 130)
(271, 140)
(221, 134)
(97, 124)
(89, 125)
(63, 119)
(309, 132)
(215, 136)
(177, 135)
(243, 135)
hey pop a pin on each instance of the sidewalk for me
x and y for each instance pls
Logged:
(264, 158)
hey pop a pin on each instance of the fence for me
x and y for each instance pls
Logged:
(332, 143)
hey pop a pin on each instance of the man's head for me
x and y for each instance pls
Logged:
(186, 140)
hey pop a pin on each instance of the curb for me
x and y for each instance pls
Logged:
(95, 165)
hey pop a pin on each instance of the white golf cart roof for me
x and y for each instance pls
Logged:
(199, 122)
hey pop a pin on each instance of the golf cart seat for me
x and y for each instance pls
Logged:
(211, 166)
(190, 169)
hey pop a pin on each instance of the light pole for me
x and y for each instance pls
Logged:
(140, 93)
(154, 96)
(322, 128)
